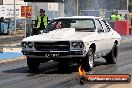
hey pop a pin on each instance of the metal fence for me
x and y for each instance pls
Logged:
(102, 8)
(102, 13)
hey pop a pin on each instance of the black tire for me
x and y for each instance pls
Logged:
(33, 64)
(88, 61)
(111, 58)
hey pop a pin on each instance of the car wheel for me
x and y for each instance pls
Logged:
(88, 61)
(33, 64)
(111, 58)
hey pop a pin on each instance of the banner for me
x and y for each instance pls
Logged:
(27, 10)
(7, 11)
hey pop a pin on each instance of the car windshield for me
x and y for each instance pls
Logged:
(82, 25)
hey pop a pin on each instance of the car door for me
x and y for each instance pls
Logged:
(101, 45)
(108, 36)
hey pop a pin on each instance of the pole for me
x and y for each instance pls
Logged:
(53, 4)
(127, 9)
(25, 21)
(77, 7)
(63, 9)
(15, 16)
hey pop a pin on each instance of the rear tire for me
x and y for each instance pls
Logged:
(88, 61)
(111, 58)
(33, 64)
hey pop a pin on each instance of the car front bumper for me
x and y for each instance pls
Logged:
(54, 54)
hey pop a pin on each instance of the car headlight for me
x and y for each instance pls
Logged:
(23, 44)
(77, 44)
(30, 44)
(27, 45)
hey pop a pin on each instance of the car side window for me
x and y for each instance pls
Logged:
(99, 27)
(104, 26)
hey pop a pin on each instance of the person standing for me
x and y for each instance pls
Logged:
(118, 17)
(113, 16)
(42, 21)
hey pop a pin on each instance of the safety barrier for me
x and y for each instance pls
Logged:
(122, 27)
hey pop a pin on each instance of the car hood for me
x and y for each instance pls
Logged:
(64, 34)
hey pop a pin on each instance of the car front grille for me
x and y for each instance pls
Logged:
(52, 46)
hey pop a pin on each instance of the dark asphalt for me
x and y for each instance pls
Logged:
(17, 75)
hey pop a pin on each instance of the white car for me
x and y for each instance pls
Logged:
(72, 39)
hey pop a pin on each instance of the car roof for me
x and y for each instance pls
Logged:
(79, 17)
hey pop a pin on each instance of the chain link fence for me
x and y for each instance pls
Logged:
(102, 8)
